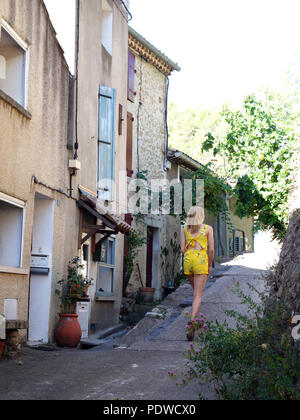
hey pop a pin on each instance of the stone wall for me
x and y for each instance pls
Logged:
(149, 154)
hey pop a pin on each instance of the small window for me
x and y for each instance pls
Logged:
(11, 234)
(13, 64)
(106, 269)
(107, 26)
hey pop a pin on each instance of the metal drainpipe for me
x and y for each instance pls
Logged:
(76, 146)
(166, 124)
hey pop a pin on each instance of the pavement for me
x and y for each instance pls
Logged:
(134, 366)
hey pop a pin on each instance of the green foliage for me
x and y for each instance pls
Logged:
(73, 287)
(256, 360)
(134, 242)
(188, 128)
(260, 146)
(170, 257)
(215, 189)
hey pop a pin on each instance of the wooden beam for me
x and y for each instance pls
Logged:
(88, 236)
(95, 213)
(98, 244)
(87, 228)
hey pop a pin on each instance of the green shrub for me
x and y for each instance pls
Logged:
(256, 360)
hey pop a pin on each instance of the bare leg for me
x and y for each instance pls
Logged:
(199, 286)
(191, 280)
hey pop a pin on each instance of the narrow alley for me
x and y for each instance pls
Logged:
(135, 366)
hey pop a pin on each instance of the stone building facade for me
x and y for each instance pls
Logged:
(147, 140)
(51, 195)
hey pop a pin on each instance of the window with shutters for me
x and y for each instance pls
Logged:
(131, 77)
(106, 143)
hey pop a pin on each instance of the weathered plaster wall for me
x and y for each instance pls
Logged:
(245, 224)
(97, 67)
(37, 147)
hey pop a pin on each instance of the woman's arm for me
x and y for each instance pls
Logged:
(211, 244)
(182, 242)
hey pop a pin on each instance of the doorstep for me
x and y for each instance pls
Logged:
(101, 336)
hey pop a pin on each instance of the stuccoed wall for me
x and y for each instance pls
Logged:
(97, 67)
(37, 146)
(246, 225)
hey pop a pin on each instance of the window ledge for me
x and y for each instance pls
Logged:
(13, 270)
(15, 104)
(105, 298)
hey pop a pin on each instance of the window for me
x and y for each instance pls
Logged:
(13, 65)
(131, 77)
(106, 143)
(106, 268)
(11, 233)
(107, 26)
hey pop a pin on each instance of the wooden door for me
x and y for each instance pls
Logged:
(149, 274)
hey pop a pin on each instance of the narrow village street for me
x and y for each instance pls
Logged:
(138, 368)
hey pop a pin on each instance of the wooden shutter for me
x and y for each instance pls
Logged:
(106, 140)
(131, 77)
(129, 144)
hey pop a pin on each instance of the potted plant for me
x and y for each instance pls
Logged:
(75, 287)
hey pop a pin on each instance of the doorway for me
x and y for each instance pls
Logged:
(41, 270)
(152, 273)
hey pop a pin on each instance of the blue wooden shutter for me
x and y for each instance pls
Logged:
(106, 141)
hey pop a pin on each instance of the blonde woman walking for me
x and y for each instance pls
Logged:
(197, 238)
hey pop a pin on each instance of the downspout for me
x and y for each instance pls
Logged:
(76, 145)
(76, 79)
(166, 125)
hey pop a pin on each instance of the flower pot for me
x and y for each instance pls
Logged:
(2, 346)
(68, 332)
(147, 294)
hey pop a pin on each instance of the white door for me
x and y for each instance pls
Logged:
(40, 284)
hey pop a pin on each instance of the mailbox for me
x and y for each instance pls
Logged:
(40, 264)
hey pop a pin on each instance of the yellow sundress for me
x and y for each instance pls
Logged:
(195, 261)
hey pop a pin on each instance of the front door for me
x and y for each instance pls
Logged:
(40, 279)
(149, 273)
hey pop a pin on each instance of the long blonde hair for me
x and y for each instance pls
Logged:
(195, 219)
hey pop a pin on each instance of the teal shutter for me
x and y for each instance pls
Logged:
(106, 141)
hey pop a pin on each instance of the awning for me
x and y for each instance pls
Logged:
(110, 224)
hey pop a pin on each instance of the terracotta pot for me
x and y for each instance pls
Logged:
(2, 346)
(68, 332)
(147, 293)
